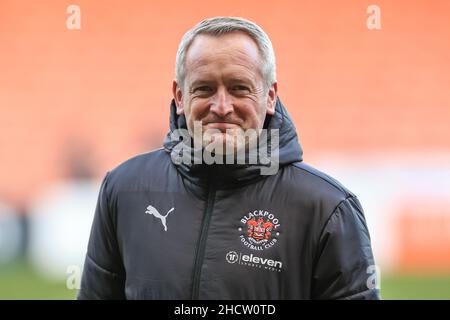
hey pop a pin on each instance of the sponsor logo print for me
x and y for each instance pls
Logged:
(253, 261)
(259, 230)
(232, 257)
(152, 210)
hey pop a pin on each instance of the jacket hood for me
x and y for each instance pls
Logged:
(289, 150)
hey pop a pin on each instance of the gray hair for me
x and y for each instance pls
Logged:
(219, 26)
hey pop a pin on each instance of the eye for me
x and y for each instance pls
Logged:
(240, 88)
(203, 89)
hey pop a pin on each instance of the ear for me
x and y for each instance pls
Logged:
(272, 99)
(178, 97)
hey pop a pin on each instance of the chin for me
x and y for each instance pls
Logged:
(221, 143)
(226, 143)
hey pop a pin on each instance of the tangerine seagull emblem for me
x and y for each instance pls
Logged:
(151, 210)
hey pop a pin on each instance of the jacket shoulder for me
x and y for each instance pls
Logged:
(312, 189)
(322, 180)
(141, 171)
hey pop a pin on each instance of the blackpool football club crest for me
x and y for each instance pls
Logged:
(259, 230)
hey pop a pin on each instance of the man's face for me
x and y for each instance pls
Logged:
(224, 87)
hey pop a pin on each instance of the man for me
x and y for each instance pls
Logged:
(197, 220)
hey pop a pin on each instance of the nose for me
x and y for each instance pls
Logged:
(222, 103)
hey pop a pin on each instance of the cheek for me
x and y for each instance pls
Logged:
(198, 109)
(255, 116)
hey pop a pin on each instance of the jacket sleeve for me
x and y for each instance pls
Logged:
(103, 273)
(344, 262)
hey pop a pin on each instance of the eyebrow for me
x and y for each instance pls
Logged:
(231, 80)
(198, 83)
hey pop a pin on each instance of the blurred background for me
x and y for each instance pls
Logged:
(372, 108)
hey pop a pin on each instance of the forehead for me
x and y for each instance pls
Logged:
(235, 51)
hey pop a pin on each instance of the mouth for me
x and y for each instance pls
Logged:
(222, 126)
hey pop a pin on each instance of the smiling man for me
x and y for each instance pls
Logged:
(192, 229)
(222, 85)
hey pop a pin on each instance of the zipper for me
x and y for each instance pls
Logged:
(200, 252)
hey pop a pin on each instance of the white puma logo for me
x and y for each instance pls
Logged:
(153, 211)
